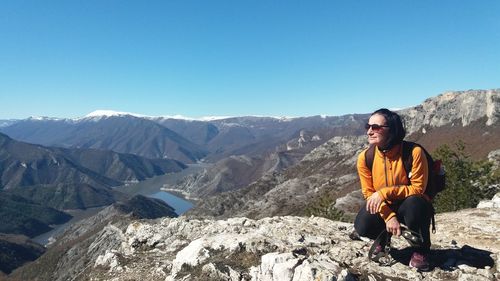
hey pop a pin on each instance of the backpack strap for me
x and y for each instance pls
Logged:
(369, 156)
(408, 157)
(408, 162)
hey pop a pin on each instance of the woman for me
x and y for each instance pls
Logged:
(392, 198)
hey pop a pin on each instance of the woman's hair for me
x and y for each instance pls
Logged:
(397, 131)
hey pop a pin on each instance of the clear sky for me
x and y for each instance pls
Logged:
(241, 57)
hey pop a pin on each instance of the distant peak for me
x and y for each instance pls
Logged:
(109, 113)
(205, 118)
(98, 114)
(43, 118)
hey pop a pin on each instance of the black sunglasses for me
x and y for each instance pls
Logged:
(375, 127)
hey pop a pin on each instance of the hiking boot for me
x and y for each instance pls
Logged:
(354, 236)
(414, 238)
(379, 249)
(380, 255)
(419, 261)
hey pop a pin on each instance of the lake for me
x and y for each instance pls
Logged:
(150, 187)
(180, 205)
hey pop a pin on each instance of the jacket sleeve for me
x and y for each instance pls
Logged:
(365, 176)
(419, 176)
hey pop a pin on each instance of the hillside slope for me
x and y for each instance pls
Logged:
(124, 134)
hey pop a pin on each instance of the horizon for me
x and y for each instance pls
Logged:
(109, 113)
(199, 59)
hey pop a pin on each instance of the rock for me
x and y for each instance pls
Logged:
(275, 248)
(108, 260)
(493, 203)
(275, 266)
(465, 106)
(285, 248)
(494, 158)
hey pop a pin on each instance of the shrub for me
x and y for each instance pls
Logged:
(467, 181)
(324, 207)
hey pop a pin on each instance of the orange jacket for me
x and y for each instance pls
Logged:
(389, 177)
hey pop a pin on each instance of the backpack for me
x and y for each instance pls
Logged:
(437, 176)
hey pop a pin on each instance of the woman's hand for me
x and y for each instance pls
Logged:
(373, 203)
(392, 226)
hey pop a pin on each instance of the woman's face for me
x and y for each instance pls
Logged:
(378, 136)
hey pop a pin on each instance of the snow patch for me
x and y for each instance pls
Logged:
(110, 113)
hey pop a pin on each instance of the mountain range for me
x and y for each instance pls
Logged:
(243, 152)
(329, 169)
(185, 140)
(24, 164)
(38, 182)
(253, 167)
(248, 151)
(130, 135)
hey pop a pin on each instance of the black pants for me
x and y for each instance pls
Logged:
(415, 212)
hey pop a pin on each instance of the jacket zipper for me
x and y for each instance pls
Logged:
(385, 170)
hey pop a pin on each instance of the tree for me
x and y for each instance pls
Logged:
(467, 181)
(324, 207)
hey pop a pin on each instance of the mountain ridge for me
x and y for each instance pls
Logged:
(25, 164)
(132, 135)
(329, 169)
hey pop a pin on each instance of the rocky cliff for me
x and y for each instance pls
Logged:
(465, 247)
(462, 106)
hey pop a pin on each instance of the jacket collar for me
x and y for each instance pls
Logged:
(392, 153)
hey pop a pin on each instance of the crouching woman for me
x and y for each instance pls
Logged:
(393, 197)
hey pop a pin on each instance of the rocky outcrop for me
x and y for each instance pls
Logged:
(493, 203)
(302, 140)
(70, 255)
(465, 247)
(464, 106)
(338, 146)
(494, 157)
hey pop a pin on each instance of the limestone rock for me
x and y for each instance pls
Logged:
(292, 248)
(464, 106)
(493, 203)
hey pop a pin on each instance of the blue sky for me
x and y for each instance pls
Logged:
(273, 58)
